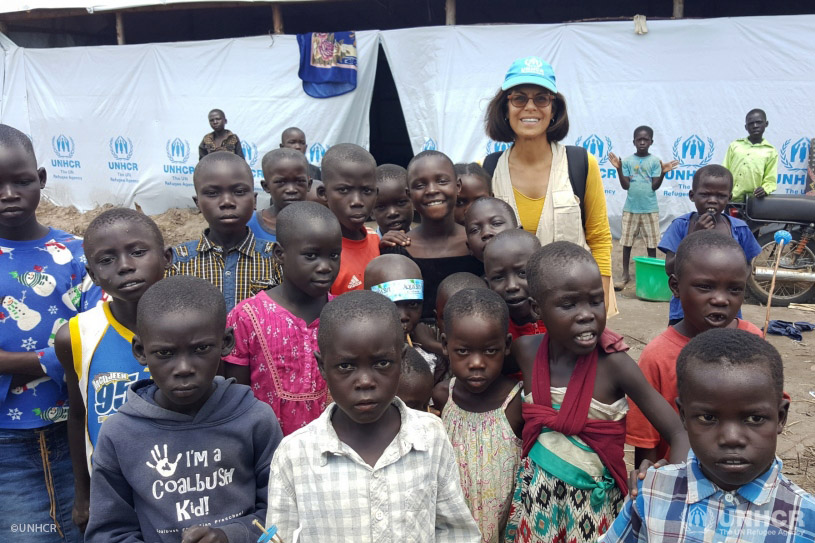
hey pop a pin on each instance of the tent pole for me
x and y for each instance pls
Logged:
(450, 12)
(679, 9)
(277, 19)
(120, 28)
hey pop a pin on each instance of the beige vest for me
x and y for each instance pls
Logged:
(560, 219)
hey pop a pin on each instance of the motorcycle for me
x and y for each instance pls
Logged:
(795, 281)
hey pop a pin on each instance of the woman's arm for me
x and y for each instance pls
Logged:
(598, 232)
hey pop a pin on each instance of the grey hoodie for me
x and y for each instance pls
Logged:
(156, 472)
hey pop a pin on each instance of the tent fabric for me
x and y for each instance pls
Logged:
(13, 6)
(121, 124)
(116, 124)
(692, 81)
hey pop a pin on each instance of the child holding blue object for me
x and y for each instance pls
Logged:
(125, 255)
(186, 458)
(710, 192)
(286, 180)
(43, 283)
(731, 488)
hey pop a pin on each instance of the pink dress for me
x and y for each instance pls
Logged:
(279, 349)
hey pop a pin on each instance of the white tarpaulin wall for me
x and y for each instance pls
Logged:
(693, 81)
(122, 124)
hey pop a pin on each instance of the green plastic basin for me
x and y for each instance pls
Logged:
(652, 282)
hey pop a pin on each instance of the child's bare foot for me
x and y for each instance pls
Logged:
(620, 285)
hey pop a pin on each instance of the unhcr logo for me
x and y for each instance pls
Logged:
(316, 153)
(250, 152)
(597, 146)
(693, 151)
(794, 155)
(429, 145)
(497, 146)
(63, 146)
(121, 148)
(178, 151)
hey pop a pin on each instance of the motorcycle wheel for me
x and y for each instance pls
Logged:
(786, 292)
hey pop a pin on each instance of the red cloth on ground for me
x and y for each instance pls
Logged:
(658, 363)
(528, 329)
(354, 258)
(606, 438)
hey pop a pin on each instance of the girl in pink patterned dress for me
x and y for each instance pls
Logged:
(276, 330)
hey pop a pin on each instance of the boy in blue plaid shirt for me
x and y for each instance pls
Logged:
(731, 488)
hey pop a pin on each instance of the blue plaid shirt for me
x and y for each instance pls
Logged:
(679, 504)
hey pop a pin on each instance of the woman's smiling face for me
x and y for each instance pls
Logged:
(529, 121)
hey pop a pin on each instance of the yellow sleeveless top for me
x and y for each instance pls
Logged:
(529, 210)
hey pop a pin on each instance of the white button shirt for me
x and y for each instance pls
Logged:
(321, 485)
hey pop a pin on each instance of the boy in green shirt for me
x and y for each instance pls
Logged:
(753, 161)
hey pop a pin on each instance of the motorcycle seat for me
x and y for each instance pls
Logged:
(782, 208)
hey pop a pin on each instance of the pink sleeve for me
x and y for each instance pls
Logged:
(242, 328)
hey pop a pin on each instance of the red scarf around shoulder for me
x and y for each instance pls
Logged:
(606, 438)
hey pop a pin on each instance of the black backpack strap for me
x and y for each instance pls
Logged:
(491, 161)
(578, 159)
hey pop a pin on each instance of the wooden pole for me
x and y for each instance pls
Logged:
(277, 19)
(679, 9)
(450, 12)
(120, 28)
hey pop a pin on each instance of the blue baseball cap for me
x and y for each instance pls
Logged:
(530, 71)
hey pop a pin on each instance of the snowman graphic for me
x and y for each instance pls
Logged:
(40, 282)
(26, 317)
(58, 252)
(54, 329)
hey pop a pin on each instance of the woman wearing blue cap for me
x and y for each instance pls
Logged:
(555, 190)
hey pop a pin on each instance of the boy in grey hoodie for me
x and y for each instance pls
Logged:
(186, 459)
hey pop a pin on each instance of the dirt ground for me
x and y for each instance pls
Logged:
(639, 322)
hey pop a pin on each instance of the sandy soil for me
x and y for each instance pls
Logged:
(639, 322)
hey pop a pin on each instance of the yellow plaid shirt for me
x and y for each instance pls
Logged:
(242, 272)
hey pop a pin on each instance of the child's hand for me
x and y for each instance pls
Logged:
(668, 166)
(202, 534)
(80, 513)
(636, 475)
(705, 221)
(615, 160)
(393, 238)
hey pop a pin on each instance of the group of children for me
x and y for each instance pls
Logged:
(465, 389)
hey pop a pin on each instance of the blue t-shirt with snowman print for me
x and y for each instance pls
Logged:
(43, 284)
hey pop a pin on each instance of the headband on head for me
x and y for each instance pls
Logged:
(401, 289)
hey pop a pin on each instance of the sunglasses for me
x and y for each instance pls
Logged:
(540, 100)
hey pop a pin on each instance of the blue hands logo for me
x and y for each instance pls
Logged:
(178, 151)
(794, 155)
(497, 146)
(250, 152)
(597, 146)
(121, 148)
(316, 153)
(429, 145)
(63, 146)
(693, 151)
